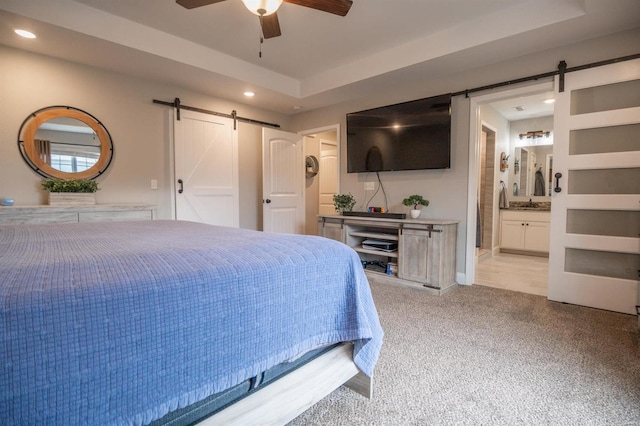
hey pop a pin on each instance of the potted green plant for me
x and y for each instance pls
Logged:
(344, 202)
(414, 201)
(70, 192)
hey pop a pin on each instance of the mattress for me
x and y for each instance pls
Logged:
(124, 322)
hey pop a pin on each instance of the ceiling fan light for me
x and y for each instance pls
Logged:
(257, 6)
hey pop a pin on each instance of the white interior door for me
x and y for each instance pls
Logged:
(206, 169)
(328, 176)
(283, 182)
(594, 257)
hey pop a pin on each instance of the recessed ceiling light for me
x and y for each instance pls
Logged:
(25, 33)
(297, 107)
(249, 94)
(549, 101)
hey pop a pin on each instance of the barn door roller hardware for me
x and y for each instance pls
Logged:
(561, 72)
(234, 116)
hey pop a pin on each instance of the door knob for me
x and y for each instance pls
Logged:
(267, 201)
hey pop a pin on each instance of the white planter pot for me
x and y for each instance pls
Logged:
(415, 214)
(72, 198)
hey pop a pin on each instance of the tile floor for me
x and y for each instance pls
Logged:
(527, 274)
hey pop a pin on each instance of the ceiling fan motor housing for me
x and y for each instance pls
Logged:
(262, 7)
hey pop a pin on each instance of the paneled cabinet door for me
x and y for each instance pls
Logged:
(537, 236)
(413, 256)
(331, 230)
(512, 234)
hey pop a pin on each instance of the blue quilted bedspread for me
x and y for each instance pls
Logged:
(120, 323)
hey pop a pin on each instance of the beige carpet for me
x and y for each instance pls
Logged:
(486, 356)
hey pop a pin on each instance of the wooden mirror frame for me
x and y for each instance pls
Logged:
(28, 150)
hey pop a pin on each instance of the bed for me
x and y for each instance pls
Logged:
(131, 322)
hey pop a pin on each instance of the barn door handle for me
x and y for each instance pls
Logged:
(181, 190)
(557, 186)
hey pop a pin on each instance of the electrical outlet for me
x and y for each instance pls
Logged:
(154, 183)
(369, 186)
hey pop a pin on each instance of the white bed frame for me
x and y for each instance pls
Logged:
(283, 400)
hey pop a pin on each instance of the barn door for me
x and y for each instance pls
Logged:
(594, 258)
(206, 169)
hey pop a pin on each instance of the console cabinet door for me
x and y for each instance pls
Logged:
(331, 229)
(413, 256)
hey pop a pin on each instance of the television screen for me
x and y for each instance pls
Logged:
(412, 135)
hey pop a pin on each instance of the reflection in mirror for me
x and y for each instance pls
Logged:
(68, 144)
(65, 143)
(533, 171)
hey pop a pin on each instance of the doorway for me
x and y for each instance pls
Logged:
(323, 144)
(492, 139)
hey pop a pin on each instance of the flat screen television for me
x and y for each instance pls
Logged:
(412, 135)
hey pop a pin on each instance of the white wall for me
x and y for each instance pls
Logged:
(140, 130)
(447, 189)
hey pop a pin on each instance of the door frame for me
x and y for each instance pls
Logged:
(475, 128)
(329, 128)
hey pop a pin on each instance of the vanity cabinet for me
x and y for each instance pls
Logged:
(17, 215)
(412, 252)
(526, 231)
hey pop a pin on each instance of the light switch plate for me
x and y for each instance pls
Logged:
(369, 186)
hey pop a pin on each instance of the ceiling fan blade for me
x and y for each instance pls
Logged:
(192, 4)
(270, 26)
(337, 7)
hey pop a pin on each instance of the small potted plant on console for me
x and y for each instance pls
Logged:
(70, 192)
(415, 201)
(343, 202)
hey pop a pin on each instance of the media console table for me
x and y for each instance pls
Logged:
(424, 250)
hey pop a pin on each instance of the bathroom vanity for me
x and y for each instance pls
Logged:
(525, 231)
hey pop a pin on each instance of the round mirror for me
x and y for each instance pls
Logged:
(65, 143)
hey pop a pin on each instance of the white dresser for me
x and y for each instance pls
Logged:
(14, 215)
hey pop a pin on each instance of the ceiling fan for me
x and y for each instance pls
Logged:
(267, 10)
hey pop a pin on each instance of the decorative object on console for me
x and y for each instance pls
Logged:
(6, 201)
(70, 192)
(415, 201)
(344, 202)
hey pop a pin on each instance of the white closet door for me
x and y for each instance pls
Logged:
(594, 258)
(206, 169)
(329, 170)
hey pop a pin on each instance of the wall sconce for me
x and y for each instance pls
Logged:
(504, 161)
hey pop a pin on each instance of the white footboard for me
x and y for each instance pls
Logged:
(286, 398)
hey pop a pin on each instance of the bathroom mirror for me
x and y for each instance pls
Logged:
(65, 143)
(532, 171)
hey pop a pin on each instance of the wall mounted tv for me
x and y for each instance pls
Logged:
(413, 135)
